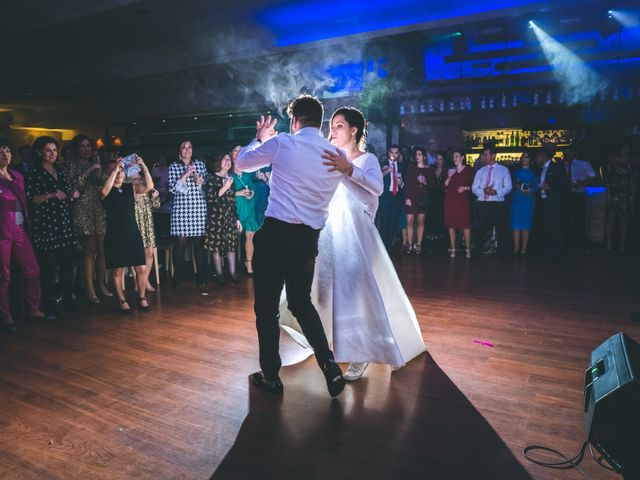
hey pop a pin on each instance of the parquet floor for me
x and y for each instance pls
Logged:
(165, 395)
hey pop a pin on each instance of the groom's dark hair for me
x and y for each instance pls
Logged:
(307, 109)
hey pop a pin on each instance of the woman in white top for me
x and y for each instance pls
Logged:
(356, 290)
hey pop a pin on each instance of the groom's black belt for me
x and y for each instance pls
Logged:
(294, 226)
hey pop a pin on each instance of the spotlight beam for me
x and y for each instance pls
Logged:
(578, 82)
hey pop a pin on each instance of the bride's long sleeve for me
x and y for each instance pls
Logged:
(369, 176)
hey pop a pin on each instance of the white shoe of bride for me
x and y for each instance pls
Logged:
(355, 371)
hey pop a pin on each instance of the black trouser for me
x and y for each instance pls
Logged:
(179, 247)
(49, 260)
(577, 220)
(490, 214)
(285, 256)
(389, 213)
(552, 222)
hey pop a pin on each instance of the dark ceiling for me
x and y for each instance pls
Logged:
(75, 62)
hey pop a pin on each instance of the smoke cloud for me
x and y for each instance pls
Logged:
(578, 82)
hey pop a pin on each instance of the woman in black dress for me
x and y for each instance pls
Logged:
(223, 224)
(123, 245)
(435, 228)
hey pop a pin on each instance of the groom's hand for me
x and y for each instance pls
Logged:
(338, 161)
(265, 128)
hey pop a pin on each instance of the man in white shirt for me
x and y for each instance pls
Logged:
(491, 184)
(432, 152)
(580, 173)
(286, 245)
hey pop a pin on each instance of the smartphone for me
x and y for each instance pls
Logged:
(130, 165)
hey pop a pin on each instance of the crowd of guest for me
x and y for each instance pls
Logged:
(435, 199)
(80, 223)
(73, 227)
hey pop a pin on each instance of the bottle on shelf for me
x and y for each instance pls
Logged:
(517, 142)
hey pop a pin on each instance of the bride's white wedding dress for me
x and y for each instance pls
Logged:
(356, 290)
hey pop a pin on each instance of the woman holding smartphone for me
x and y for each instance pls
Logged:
(123, 246)
(522, 204)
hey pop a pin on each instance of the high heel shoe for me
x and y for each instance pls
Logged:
(124, 311)
(248, 265)
(452, 252)
(143, 308)
(417, 248)
(468, 253)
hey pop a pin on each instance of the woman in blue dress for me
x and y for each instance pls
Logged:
(522, 204)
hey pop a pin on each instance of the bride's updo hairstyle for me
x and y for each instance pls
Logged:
(354, 118)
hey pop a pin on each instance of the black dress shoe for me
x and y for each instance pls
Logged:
(271, 386)
(220, 280)
(235, 279)
(333, 375)
(8, 328)
(143, 308)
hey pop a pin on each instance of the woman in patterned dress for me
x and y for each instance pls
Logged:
(89, 217)
(51, 196)
(189, 214)
(245, 206)
(223, 223)
(145, 203)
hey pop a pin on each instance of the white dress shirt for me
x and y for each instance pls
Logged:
(366, 183)
(301, 186)
(579, 171)
(395, 165)
(543, 178)
(500, 181)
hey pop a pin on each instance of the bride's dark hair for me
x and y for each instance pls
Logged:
(354, 118)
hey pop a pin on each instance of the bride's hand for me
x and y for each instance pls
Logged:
(338, 161)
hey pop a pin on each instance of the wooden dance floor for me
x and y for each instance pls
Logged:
(166, 395)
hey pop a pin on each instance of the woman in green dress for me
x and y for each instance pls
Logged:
(245, 206)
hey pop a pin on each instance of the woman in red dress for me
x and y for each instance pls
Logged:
(416, 180)
(457, 202)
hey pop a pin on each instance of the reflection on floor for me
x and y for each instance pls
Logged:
(410, 424)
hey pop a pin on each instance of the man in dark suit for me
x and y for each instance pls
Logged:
(392, 197)
(554, 193)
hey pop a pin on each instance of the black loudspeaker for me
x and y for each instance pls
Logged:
(612, 403)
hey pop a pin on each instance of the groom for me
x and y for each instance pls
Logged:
(286, 245)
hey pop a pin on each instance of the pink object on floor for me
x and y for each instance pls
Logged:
(482, 342)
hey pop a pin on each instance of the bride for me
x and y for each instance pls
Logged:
(356, 289)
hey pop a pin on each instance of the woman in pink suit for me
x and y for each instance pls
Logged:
(14, 242)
